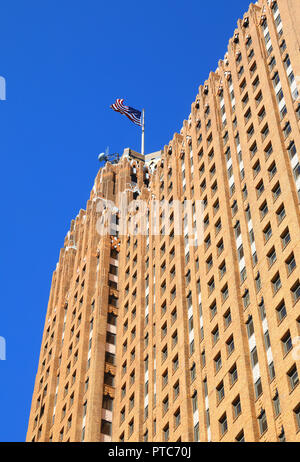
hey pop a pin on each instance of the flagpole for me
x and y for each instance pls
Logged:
(143, 133)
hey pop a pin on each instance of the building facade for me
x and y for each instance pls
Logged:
(163, 326)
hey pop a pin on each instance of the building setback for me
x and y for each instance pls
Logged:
(150, 336)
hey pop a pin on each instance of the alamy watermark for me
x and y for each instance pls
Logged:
(157, 218)
(2, 349)
(2, 88)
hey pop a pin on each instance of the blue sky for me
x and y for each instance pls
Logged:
(64, 63)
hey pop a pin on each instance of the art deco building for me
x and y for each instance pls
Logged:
(151, 335)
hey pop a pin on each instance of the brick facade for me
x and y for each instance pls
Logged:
(150, 338)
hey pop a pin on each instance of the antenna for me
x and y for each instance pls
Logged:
(106, 157)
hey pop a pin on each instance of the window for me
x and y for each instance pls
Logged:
(246, 298)
(165, 378)
(131, 427)
(122, 415)
(164, 327)
(276, 79)
(222, 269)
(166, 433)
(223, 424)
(176, 390)
(251, 236)
(245, 192)
(177, 418)
(250, 131)
(174, 339)
(290, 264)
(196, 432)
(193, 372)
(263, 210)
(132, 355)
(203, 358)
(268, 150)
(237, 408)
(258, 98)
(250, 327)
(173, 316)
(220, 392)
(106, 427)
(215, 335)
(267, 232)
(175, 363)
(218, 226)
(227, 318)
(281, 311)
(262, 420)
(209, 263)
(234, 208)
(254, 357)
(107, 403)
(287, 344)
(285, 238)
(111, 338)
(276, 405)
(240, 438)
(233, 375)
(218, 362)
(292, 149)
(203, 186)
(297, 416)
(258, 388)
(276, 191)
(282, 46)
(132, 377)
(256, 169)
(272, 63)
(280, 213)
(262, 309)
(245, 101)
(220, 247)
(216, 206)
(295, 290)
(211, 286)
(265, 131)
(192, 347)
(267, 339)
(276, 283)
(279, 95)
(293, 377)
(283, 112)
(243, 275)
(247, 115)
(230, 345)
(296, 171)
(271, 371)
(253, 149)
(260, 188)
(213, 309)
(253, 68)
(191, 323)
(272, 170)
(166, 404)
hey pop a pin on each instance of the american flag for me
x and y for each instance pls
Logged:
(133, 114)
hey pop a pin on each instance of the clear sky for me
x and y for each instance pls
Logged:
(65, 62)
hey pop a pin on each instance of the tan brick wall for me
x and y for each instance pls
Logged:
(242, 81)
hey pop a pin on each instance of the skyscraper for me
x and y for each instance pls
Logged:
(164, 327)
